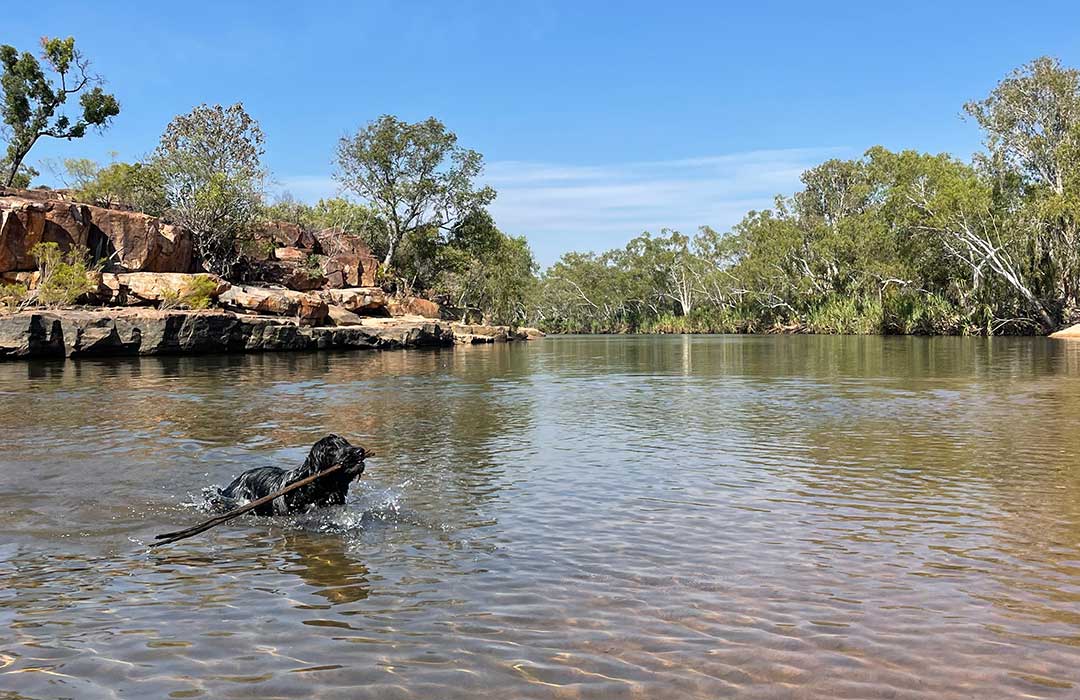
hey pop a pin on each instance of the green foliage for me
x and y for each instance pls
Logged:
(13, 296)
(209, 164)
(486, 270)
(415, 178)
(32, 103)
(847, 316)
(348, 217)
(287, 209)
(197, 294)
(139, 186)
(701, 320)
(312, 266)
(24, 174)
(76, 173)
(170, 299)
(200, 293)
(64, 276)
(894, 242)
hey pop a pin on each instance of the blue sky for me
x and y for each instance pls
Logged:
(597, 120)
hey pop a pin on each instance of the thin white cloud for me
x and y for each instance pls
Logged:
(561, 207)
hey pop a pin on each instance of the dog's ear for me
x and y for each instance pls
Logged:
(321, 451)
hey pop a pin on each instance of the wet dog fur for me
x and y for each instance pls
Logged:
(327, 491)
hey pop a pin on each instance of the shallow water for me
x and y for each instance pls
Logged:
(738, 517)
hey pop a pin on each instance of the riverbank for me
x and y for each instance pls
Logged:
(1070, 333)
(144, 331)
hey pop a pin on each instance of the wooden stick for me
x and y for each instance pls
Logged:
(169, 537)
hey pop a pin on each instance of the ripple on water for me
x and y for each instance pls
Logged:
(578, 518)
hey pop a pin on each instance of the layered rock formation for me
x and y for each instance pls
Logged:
(367, 301)
(414, 306)
(308, 290)
(308, 309)
(304, 261)
(154, 288)
(128, 241)
(137, 331)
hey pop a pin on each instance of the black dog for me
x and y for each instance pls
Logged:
(328, 490)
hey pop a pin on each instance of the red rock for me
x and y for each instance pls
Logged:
(340, 316)
(126, 240)
(362, 300)
(142, 243)
(281, 233)
(309, 309)
(350, 261)
(415, 306)
(303, 280)
(291, 254)
(312, 311)
(135, 288)
(26, 279)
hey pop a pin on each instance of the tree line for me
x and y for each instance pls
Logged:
(892, 242)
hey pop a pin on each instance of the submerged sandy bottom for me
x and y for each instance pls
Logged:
(575, 518)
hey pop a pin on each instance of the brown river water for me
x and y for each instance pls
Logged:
(579, 517)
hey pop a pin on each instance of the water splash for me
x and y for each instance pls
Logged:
(367, 506)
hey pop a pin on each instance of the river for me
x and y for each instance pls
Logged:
(579, 517)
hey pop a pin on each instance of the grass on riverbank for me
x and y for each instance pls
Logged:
(898, 314)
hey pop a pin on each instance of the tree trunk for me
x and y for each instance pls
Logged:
(16, 162)
(395, 238)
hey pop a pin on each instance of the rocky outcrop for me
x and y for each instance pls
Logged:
(308, 309)
(469, 334)
(350, 262)
(125, 240)
(302, 280)
(1072, 332)
(291, 254)
(26, 279)
(282, 234)
(293, 272)
(407, 332)
(330, 259)
(142, 243)
(134, 331)
(340, 316)
(475, 333)
(367, 301)
(142, 288)
(414, 306)
(532, 333)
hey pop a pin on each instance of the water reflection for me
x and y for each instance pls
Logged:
(582, 517)
(327, 564)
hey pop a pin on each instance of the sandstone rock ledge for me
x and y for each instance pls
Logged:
(1072, 333)
(134, 331)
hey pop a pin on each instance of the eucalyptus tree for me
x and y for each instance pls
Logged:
(1032, 125)
(209, 162)
(481, 268)
(33, 103)
(672, 267)
(414, 176)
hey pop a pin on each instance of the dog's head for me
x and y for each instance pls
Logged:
(332, 450)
